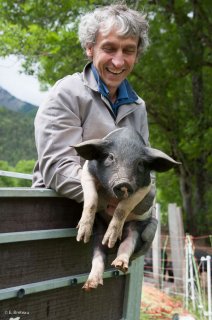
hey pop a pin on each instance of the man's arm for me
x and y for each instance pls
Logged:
(57, 126)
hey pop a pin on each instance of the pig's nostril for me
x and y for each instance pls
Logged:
(123, 190)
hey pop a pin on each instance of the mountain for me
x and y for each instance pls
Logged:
(12, 103)
(16, 129)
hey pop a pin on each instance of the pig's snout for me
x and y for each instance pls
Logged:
(123, 190)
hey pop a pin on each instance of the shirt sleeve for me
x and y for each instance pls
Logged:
(57, 129)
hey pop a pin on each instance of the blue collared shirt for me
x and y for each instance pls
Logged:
(125, 93)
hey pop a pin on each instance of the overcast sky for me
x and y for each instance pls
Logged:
(21, 86)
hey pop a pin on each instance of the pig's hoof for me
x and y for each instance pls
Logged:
(92, 284)
(110, 238)
(114, 231)
(84, 233)
(121, 264)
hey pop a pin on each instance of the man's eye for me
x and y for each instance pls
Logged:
(108, 49)
(130, 51)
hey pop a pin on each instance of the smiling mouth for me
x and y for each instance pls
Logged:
(115, 72)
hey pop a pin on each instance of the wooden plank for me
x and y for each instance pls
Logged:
(132, 299)
(38, 213)
(34, 261)
(69, 303)
(27, 192)
(17, 175)
(177, 245)
(12, 237)
(32, 288)
(26, 210)
(156, 249)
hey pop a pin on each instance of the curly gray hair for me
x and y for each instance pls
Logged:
(127, 22)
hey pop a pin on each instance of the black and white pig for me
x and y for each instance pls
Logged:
(118, 170)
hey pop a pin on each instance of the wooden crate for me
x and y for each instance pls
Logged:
(43, 267)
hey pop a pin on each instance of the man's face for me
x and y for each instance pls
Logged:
(114, 57)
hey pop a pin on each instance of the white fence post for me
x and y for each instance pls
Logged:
(209, 287)
(191, 274)
(156, 248)
(209, 312)
(187, 277)
(176, 233)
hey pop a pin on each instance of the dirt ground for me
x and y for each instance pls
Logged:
(158, 305)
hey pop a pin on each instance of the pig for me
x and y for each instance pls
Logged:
(118, 170)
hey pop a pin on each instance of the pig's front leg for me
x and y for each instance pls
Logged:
(86, 222)
(120, 215)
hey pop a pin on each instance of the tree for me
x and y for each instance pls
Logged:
(16, 136)
(44, 33)
(173, 77)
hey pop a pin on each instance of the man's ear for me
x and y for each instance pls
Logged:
(89, 52)
(91, 149)
(159, 161)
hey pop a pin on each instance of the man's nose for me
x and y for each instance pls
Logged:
(118, 60)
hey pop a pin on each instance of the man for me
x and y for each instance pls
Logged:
(93, 103)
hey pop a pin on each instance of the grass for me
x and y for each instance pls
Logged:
(145, 317)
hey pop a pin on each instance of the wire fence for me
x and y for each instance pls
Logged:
(195, 285)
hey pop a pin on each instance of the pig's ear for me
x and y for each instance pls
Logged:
(159, 161)
(91, 149)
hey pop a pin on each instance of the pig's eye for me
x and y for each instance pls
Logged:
(140, 166)
(109, 159)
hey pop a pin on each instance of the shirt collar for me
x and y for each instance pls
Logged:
(102, 88)
(125, 92)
